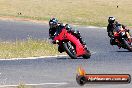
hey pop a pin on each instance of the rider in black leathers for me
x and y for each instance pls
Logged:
(55, 26)
(112, 26)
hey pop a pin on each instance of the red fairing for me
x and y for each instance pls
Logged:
(64, 35)
(116, 34)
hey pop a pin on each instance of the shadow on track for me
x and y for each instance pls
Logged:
(122, 51)
(64, 58)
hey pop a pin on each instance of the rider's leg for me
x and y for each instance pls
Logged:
(129, 37)
(80, 38)
(78, 35)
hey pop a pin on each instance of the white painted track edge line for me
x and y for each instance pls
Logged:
(39, 84)
(28, 58)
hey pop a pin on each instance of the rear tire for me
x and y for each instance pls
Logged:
(70, 52)
(87, 55)
(129, 47)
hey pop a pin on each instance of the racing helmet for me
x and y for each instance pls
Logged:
(53, 23)
(111, 20)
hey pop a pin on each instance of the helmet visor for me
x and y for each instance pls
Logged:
(53, 24)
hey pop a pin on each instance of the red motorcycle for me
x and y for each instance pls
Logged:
(71, 45)
(121, 38)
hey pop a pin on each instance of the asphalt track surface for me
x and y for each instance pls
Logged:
(60, 72)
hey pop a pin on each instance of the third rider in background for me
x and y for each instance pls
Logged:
(112, 23)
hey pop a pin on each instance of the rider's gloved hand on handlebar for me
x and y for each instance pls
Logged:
(52, 41)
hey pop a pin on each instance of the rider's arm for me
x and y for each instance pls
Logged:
(50, 33)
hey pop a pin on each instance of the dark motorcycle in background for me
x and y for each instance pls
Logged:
(70, 44)
(121, 39)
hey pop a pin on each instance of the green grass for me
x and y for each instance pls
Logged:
(29, 48)
(81, 12)
(21, 86)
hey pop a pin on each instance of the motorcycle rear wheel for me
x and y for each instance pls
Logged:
(87, 55)
(128, 46)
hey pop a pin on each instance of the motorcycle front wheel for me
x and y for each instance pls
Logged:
(70, 49)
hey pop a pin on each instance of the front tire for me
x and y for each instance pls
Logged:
(70, 49)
